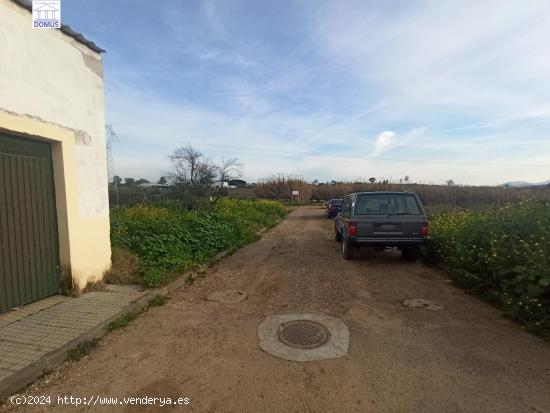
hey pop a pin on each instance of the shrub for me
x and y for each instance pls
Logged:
(502, 253)
(169, 239)
(435, 197)
(124, 269)
(281, 187)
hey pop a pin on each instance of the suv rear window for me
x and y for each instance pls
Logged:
(386, 204)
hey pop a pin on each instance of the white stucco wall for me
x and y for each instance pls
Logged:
(47, 75)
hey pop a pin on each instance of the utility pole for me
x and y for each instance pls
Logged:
(111, 137)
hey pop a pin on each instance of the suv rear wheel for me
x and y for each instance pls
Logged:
(347, 249)
(411, 254)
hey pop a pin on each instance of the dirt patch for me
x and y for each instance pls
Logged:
(227, 296)
(422, 303)
(463, 359)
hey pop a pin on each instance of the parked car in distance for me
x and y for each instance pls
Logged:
(382, 220)
(332, 207)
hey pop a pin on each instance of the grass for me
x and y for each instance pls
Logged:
(501, 255)
(121, 322)
(82, 349)
(157, 301)
(169, 240)
(125, 267)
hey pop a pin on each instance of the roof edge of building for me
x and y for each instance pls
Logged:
(26, 4)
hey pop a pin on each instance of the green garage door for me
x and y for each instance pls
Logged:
(29, 258)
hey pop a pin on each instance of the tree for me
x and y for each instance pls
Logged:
(142, 181)
(450, 182)
(162, 180)
(227, 170)
(372, 180)
(117, 180)
(193, 174)
(129, 181)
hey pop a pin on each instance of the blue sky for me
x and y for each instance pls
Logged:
(434, 90)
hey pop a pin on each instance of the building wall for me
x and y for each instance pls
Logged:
(51, 87)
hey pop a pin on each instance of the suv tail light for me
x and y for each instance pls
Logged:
(352, 229)
(425, 230)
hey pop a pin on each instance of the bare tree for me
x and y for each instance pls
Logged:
(227, 170)
(193, 174)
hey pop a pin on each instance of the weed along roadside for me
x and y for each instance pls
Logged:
(180, 244)
(500, 255)
(178, 258)
(168, 240)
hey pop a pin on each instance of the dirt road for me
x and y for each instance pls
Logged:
(464, 358)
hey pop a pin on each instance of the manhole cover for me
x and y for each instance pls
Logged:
(228, 296)
(422, 303)
(304, 337)
(303, 334)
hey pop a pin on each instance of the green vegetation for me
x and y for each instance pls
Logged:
(157, 301)
(125, 267)
(435, 197)
(169, 239)
(501, 254)
(82, 349)
(121, 321)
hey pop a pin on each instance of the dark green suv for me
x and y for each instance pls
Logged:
(382, 220)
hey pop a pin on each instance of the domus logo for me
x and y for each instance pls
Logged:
(46, 14)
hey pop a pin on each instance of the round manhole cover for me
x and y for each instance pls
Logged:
(303, 334)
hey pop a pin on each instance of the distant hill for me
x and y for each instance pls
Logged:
(522, 184)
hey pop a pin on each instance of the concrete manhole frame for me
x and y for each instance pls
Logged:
(336, 346)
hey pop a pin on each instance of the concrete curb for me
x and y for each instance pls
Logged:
(33, 371)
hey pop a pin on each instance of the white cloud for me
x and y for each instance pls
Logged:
(383, 142)
(388, 140)
(478, 69)
(276, 142)
(488, 58)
